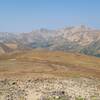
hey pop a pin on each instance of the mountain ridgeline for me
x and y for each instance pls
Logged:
(79, 39)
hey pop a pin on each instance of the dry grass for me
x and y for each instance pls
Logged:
(49, 63)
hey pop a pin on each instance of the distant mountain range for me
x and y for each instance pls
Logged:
(79, 39)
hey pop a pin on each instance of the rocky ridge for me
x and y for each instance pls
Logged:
(72, 39)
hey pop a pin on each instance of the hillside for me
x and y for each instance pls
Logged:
(49, 75)
(49, 62)
(79, 39)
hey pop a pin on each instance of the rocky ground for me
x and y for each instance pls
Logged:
(50, 89)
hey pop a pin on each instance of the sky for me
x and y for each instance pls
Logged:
(27, 15)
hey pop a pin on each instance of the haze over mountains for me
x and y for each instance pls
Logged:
(80, 39)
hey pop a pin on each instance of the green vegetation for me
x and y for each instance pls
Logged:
(94, 98)
(58, 98)
(64, 98)
(79, 98)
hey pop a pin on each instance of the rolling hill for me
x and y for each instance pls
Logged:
(49, 62)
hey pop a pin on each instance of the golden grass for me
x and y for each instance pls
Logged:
(51, 63)
(61, 57)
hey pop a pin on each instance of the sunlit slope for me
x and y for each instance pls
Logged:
(59, 57)
(50, 63)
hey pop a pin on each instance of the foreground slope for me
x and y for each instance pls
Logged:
(49, 62)
(48, 75)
